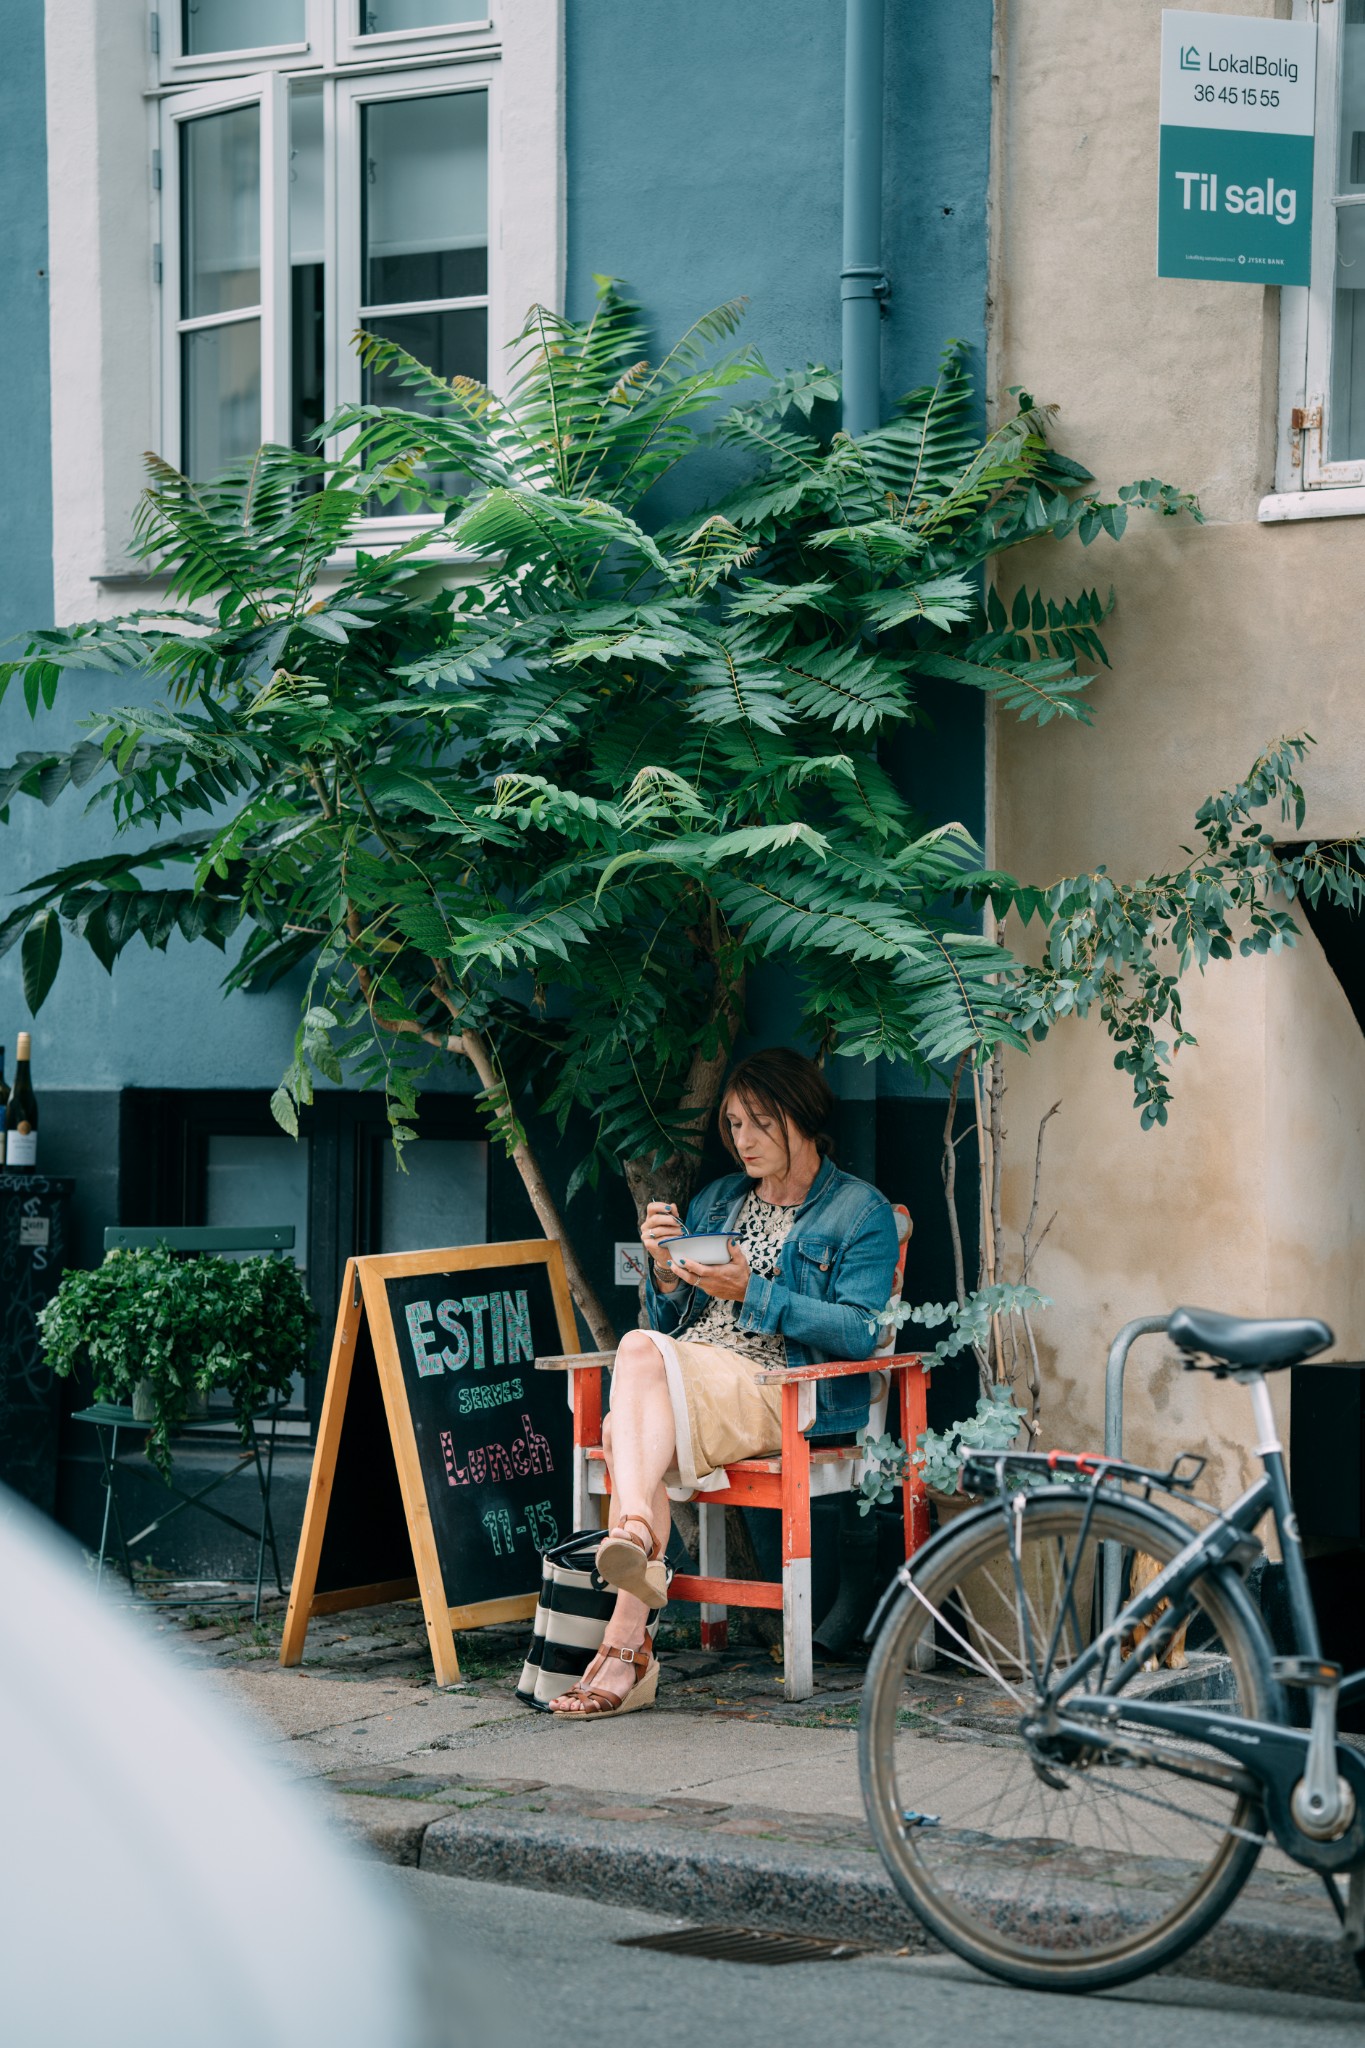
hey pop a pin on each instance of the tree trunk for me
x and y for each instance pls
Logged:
(477, 1051)
(674, 1178)
(470, 1044)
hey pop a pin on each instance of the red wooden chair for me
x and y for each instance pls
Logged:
(786, 1483)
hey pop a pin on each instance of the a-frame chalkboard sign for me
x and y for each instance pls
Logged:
(444, 1460)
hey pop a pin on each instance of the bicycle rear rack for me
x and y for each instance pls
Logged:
(993, 1472)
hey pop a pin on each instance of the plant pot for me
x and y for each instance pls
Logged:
(992, 1611)
(146, 1407)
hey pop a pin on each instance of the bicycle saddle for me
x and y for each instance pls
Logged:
(1259, 1344)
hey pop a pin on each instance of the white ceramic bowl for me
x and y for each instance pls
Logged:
(711, 1249)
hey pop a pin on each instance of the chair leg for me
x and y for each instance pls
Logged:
(585, 1397)
(108, 1501)
(914, 1393)
(798, 1664)
(715, 1620)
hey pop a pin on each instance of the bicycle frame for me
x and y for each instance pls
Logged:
(1314, 1791)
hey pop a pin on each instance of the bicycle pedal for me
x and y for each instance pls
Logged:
(1305, 1671)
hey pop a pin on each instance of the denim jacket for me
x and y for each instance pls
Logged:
(838, 1266)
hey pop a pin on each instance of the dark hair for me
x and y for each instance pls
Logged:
(781, 1083)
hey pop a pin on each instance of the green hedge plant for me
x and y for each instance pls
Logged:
(186, 1325)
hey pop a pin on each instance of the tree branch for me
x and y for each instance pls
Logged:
(948, 1170)
(475, 1047)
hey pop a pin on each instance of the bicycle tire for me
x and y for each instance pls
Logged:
(1038, 1909)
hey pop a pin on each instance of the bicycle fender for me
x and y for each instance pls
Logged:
(1229, 1580)
(926, 1552)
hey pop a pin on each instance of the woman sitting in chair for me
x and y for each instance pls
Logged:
(812, 1258)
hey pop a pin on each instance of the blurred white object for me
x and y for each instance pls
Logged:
(159, 1881)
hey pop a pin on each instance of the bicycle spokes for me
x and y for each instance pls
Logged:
(1054, 1844)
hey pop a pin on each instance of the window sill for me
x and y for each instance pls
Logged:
(1341, 502)
(438, 553)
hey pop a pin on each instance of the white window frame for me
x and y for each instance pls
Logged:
(398, 46)
(344, 374)
(352, 94)
(1307, 485)
(109, 180)
(343, 100)
(269, 91)
(175, 68)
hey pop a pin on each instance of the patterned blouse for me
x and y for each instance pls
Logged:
(762, 1229)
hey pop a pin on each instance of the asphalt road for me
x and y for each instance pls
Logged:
(520, 1968)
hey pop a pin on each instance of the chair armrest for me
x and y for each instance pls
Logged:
(838, 1368)
(576, 1361)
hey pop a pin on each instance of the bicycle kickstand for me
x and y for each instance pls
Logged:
(1353, 1926)
(1352, 1913)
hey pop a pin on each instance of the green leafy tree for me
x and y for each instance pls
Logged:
(543, 813)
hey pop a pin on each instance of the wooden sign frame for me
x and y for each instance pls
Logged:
(364, 1302)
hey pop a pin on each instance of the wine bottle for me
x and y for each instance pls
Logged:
(21, 1114)
(4, 1098)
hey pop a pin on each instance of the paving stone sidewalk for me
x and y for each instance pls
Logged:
(728, 1801)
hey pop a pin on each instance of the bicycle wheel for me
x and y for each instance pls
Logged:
(1052, 1863)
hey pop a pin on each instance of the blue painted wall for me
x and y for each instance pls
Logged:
(704, 148)
(26, 501)
(705, 162)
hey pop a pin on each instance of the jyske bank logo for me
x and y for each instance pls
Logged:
(1203, 194)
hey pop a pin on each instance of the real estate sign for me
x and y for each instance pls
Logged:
(1236, 185)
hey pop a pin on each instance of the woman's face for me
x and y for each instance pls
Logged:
(764, 1143)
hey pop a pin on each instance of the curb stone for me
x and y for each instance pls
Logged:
(748, 1870)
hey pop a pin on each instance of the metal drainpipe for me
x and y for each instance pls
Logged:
(863, 283)
(863, 286)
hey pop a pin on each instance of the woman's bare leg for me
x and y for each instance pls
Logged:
(643, 1441)
(640, 1445)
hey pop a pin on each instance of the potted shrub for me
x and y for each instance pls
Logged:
(160, 1331)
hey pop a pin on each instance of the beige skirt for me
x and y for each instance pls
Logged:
(721, 1413)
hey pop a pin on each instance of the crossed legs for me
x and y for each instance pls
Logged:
(640, 1445)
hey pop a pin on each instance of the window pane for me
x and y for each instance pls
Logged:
(442, 1199)
(259, 1180)
(307, 332)
(1346, 413)
(425, 198)
(220, 212)
(220, 405)
(383, 17)
(1351, 166)
(452, 344)
(208, 25)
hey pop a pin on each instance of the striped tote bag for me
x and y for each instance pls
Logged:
(571, 1618)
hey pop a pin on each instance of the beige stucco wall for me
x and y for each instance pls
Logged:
(1225, 637)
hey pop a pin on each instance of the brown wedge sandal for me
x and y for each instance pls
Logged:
(632, 1566)
(588, 1702)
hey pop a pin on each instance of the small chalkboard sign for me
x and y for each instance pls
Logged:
(443, 1465)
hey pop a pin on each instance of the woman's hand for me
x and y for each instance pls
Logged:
(729, 1282)
(661, 1220)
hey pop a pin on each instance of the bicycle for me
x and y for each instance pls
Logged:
(1125, 1749)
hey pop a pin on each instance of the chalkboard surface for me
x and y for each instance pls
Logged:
(495, 1438)
(444, 1461)
(366, 1539)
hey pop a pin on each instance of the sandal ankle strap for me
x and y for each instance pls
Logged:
(652, 1549)
(639, 1657)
